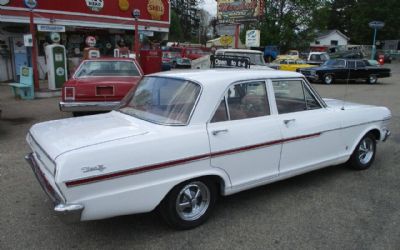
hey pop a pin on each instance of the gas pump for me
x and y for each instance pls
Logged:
(56, 59)
(91, 52)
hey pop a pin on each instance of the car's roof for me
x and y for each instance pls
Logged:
(216, 76)
(240, 51)
(111, 59)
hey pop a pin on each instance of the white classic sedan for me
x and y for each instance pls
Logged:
(184, 138)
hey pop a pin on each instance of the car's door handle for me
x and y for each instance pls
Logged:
(216, 132)
(288, 121)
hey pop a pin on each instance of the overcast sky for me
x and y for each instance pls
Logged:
(210, 6)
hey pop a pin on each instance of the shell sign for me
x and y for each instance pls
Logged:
(123, 5)
(155, 9)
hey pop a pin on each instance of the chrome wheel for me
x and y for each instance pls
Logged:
(366, 150)
(328, 79)
(193, 201)
(372, 79)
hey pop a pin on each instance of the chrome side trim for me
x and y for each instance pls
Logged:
(87, 106)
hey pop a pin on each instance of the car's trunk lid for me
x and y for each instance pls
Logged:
(60, 136)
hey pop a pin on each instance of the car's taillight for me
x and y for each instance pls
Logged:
(69, 93)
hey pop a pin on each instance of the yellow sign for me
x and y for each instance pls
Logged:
(155, 9)
(123, 5)
(226, 40)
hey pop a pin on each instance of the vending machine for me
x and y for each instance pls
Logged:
(56, 59)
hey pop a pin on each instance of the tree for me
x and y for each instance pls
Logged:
(175, 33)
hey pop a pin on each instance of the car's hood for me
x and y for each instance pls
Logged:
(60, 136)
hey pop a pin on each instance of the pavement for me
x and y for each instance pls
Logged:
(332, 208)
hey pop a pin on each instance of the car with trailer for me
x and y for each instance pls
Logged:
(346, 69)
(99, 84)
(182, 139)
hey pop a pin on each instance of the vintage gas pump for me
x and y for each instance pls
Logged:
(91, 52)
(56, 59)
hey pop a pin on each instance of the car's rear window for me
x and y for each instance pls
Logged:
(163, 100)
(107, 68)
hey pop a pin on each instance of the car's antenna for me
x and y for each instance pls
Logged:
(347, 83)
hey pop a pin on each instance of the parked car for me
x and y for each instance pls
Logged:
(100, 84)
(256, 57)
(183, 63)
(346, 69)
(290, 65)
(317, 58)
(181, 139)
(291, 55)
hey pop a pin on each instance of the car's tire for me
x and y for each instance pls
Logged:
(364, 154)
(189, 204)
(328, 79)
(372, 79)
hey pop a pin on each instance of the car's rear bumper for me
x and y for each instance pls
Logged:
(87, 106)
(68, 213)
(386, 134)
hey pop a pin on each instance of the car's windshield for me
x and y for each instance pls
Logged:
(293, 53)
(335, 63)
(255, 58)
(107, 68)
(163, 100)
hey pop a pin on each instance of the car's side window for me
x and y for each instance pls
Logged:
(351, 64)
(221, 114)
(360, 64)
(243, 100)
(311, 102)
(293, 96)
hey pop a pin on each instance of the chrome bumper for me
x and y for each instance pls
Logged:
(68, 213)
(87, 106)
(386, 135)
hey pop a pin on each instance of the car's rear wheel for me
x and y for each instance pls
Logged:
(364, 154)
(189, 204)
(372, 79)
(328, 79)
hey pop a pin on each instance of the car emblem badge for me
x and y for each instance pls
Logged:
(95, 168)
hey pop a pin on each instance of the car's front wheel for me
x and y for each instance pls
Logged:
(372, 79)
(364, 154)
(189, 204)
(328, 79)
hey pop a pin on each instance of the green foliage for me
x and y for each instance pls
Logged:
(175, 33)
(352, 17)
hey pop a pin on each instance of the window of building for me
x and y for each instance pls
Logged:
(334, 42)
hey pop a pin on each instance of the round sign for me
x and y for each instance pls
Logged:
(226, 40)
(4, 2)
(55, 37)
(31, 4)
(155, 9)
(136, 13)
(91, 41)
(123, 5)
(60, 71)
(95, 5)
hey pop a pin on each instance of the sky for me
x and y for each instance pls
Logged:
(210, 6)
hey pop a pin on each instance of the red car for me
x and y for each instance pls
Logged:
(100, 84)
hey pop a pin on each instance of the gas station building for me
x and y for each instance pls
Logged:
(110, 21)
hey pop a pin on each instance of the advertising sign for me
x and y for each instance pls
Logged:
(232, 11)
(28, 42)
(95, 5)
(226, 40)
(230, 62)
(50, 28)
(252, 38)
(152, 10)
